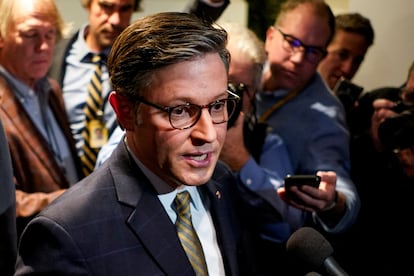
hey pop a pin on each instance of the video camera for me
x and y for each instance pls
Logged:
(239, 90)
(397, 132)
(400, 107)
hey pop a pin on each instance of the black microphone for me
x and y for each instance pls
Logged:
(309, 246)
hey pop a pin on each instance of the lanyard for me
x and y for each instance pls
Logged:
(289, 96)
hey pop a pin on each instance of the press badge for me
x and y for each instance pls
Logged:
(98, 134)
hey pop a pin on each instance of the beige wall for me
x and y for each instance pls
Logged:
(387, 61)
(73, 12)
(236, 11)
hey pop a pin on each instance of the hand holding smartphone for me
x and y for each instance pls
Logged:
(302, 179)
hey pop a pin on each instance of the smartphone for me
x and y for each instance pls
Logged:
(302, 179)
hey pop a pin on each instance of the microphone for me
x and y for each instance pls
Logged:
(309, 246)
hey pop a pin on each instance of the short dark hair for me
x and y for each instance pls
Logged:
(159, 40)
(355, 23)
(322, 8)
(137, 4)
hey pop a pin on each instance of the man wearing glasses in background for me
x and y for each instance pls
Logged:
(299, 106)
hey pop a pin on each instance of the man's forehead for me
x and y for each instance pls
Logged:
(116, 2)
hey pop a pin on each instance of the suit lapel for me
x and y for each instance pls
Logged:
(157, 233)
(16, 118)
(57, 104)
(154, 229)
(226, 229)
(148, 219)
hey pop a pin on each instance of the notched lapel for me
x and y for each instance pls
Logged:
(157, 234)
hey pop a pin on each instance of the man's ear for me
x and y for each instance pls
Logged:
(270, 33)
(124, 110)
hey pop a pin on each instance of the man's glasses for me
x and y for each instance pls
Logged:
(291, 44)
(187, 115)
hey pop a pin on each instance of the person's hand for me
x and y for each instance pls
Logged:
(382, 111)
(310, 198)
(234, 152)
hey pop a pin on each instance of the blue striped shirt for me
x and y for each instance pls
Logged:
(75, 88)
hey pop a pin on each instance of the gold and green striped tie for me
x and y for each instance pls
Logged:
(93, 112)
(187, 234)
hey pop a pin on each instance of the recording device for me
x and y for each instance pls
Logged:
(397, 132)
(310, 247)
(302, 179)
(401, 106)
(237, 89)
(347, 92)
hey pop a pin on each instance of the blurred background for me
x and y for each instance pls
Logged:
(386, 63)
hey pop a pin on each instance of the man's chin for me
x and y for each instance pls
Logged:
(107, 39)
(199, 177)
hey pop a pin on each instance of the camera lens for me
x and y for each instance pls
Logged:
(237, 89)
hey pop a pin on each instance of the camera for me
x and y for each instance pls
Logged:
(398, 132)
(347, 92)
(400, 107)
(237, 89)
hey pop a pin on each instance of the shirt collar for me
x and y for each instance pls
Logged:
(81, 50)
(21, 90)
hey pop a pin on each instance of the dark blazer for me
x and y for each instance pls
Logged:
(112, 223)
(34, 166)
(8, 234)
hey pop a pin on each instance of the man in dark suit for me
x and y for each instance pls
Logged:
(169, 72)
(8, 234)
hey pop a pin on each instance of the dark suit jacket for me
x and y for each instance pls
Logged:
(34, 166)
(8, 234)
(112, 223)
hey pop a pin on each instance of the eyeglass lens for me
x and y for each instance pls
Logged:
(292, 44)
(186, 116)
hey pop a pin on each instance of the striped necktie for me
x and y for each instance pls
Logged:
(187, 234)
(93, 118)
